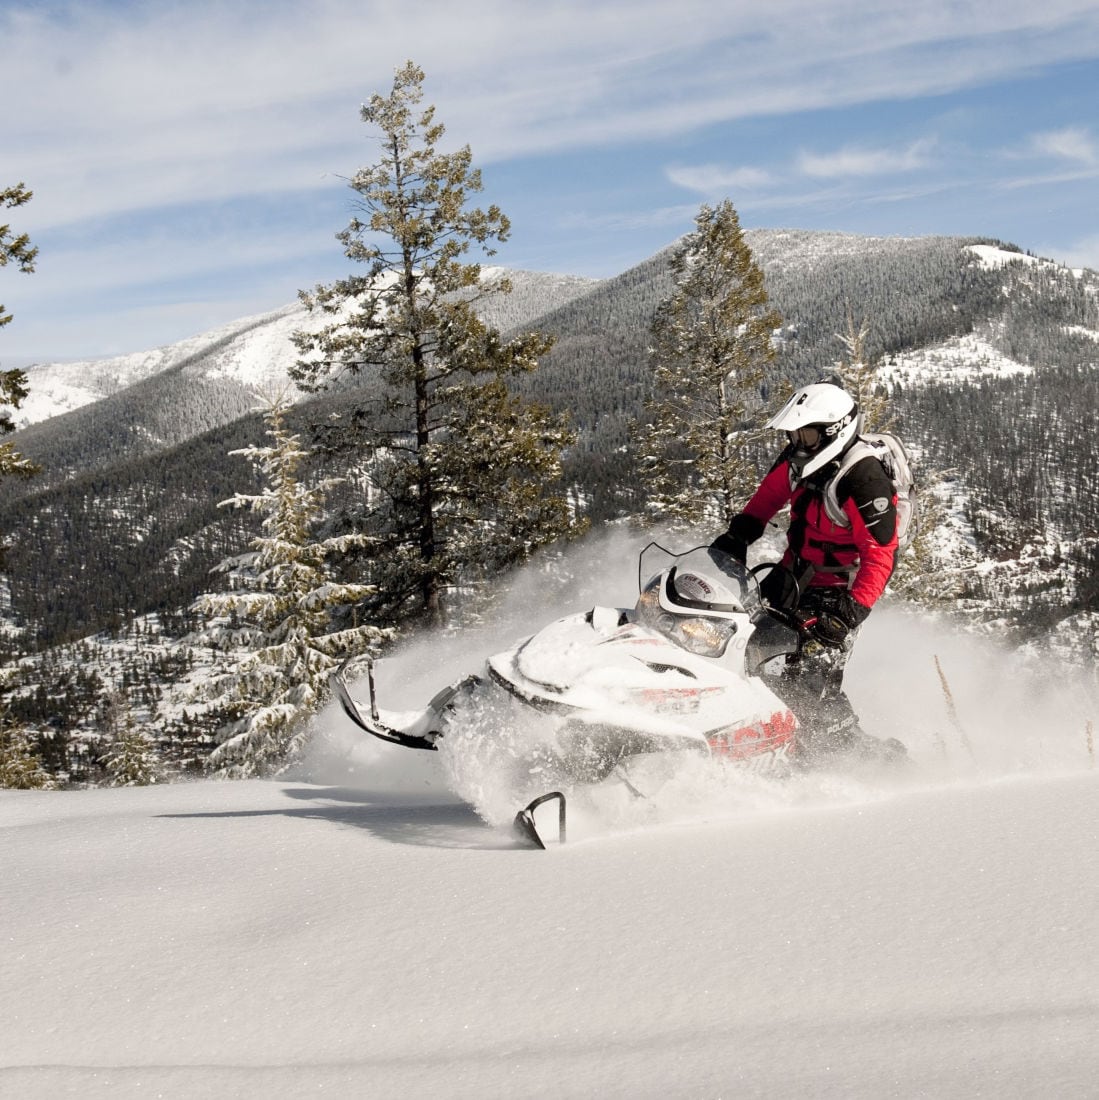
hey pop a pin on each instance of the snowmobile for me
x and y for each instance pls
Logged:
(681, 672)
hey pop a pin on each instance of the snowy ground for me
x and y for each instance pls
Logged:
(360, 932)
(959, 359)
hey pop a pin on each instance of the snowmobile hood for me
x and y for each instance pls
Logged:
(583, 650)
(605, 667)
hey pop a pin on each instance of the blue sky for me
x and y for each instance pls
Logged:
(187, 159)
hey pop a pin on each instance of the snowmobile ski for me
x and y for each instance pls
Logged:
(374, 724)
(526, 827)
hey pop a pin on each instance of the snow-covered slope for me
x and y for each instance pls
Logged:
(993, 257)
(285, 939)
(356, 930)
(254, 351)
(959, 359)
(782, 250)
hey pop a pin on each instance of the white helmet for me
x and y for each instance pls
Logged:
(831, 411)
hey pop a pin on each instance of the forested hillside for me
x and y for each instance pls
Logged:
(124, 408)
(126, 521)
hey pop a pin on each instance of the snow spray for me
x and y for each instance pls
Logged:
(1004, 712)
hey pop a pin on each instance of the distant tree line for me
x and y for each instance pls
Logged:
(143, 534)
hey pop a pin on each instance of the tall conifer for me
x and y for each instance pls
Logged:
(21, 766)
(13, 383)
(465, 478)
(277, 619)
(711, 353)
(131, 758)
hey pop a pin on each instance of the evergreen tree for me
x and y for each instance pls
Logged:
(464, 477)
(277, 617)
(131, 758)
(712, 353)
(858, 371)
(20, 764)
(13, 383)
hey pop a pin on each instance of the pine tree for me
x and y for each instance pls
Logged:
(858, 371)
(13, 383)
(131, 758)
(277, 617)
(21, 767)
(711, 354)
(465, 477)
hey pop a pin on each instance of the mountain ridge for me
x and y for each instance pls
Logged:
(946, 312)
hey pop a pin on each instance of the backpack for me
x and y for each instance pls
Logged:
(891, 453)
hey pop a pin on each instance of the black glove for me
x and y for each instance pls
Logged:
(735, 548)
(830, 630)
(851, 611)
(833, 625)
(743, 529)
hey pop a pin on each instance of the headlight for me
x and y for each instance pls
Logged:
(705, 637)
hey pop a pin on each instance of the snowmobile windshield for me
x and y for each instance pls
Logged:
(698, 606)
(710, 580)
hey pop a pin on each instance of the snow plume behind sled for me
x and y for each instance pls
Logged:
(488, 762)
(1019, 715)
(1015, 711)
(601, 568)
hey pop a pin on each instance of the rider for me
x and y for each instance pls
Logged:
(833, 574)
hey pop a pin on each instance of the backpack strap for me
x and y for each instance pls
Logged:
(858, 450)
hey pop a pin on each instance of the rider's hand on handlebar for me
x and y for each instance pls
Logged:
(735, 548)
(830, 630)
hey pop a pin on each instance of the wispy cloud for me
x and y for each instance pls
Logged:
(139, 106)
(182, 115)
(709, 179)
(659, 217)
(859, 161)
(1073, 143)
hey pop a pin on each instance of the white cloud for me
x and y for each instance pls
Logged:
(1072, 143)
(660, 217)
(131, 115)
(856, 161)
(142, 106)
(711, 179)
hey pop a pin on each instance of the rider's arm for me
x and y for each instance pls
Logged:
(747, 526)
(773, 494)
(870, 504)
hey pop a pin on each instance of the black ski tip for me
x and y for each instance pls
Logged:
(525, 829)
(524, 824)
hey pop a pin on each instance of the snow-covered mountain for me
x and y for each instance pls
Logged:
(255, 353)
(252, 351)
(992, 356)
(82, 417)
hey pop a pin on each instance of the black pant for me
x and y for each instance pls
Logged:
(812, 685)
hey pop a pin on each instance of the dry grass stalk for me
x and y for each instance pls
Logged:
(952, 711)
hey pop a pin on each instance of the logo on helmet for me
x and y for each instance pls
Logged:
(834, 429)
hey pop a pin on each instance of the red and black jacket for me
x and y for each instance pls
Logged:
(863, 553)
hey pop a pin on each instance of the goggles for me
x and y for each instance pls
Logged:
(806, 438)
